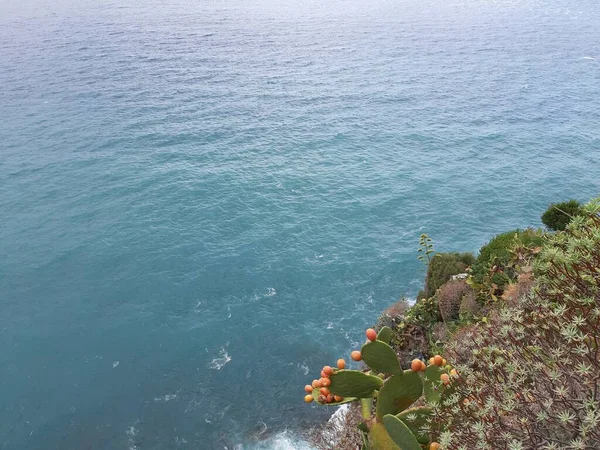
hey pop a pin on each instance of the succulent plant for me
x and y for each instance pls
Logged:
(391, 424)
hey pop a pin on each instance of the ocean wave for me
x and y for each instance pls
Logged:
(165, 398)
(333, 432)
(283, 441)
(218, 362)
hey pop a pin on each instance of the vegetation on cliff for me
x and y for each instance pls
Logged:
(520, 323)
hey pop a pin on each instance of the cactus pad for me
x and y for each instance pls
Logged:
(415, 419)
(385, 335)
(380, 357)
(379, 439)
(400, 433)
(353, 383)
(398, 393)
(432, 384)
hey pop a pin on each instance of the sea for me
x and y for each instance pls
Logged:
(202, 202)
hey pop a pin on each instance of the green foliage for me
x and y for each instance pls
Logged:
(558, 215)
(424, 312)
(425, 248)
(533, 367)
(442, 267)
(498, 262)
(498, 252)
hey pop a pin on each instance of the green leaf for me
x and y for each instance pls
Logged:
(380, 357)
(354, 383)
(400, 433)
(398, 393)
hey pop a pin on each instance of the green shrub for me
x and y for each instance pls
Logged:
(443, 266)
(558, 215)
(499, 252)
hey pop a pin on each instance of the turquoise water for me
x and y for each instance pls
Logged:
(204, 202)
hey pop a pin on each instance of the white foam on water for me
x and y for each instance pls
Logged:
(283, 441)
(166, 398)
(218, 362)
(271, 292)
(332, 433)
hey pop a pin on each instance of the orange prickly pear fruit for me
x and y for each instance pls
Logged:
(356, 355)
(308, 388)
(341, 364)
(323, 374)
(316, 384)
(423, 366)
(337, 398)
(308, 398)
(444, 362)
(454, 373)
(431, 361)
(438, 360)
(434, 446)
(324, 391)
(327, 370)
(445, 378)
(371, 334)
(325, 382)
(330, 398)
(415, 365)
(322, 399)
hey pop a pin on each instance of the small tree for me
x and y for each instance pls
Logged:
(558, 215)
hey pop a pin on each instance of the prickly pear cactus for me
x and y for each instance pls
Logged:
(354, 383)
(385, 399)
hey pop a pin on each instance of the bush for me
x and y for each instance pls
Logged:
(442, 267)
(499, 253)
(450, 296)
(558, 215)
(529, 375)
